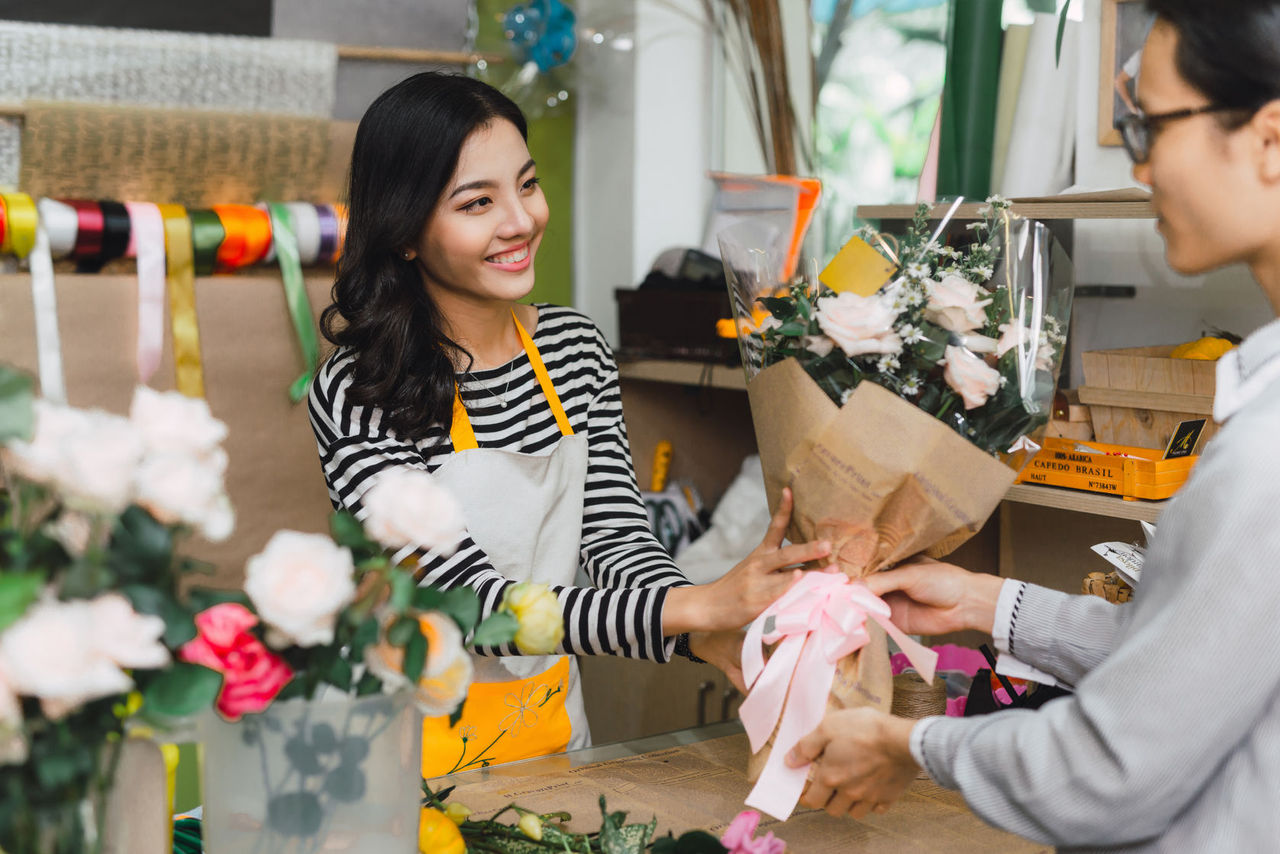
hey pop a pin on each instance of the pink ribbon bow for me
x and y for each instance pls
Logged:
(819, 621)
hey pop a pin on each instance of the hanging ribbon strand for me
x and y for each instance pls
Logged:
(296, 297)
(180, 244)
(147, 243)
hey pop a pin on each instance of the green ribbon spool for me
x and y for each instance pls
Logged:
(207, 235)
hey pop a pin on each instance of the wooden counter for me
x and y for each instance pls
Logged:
(695, 779)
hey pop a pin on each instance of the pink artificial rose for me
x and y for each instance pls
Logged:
(739, 838)
(956, 304)
(252, 675)
(971, 377)
(859, 325)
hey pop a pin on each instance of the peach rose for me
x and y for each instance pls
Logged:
(298, 584)
(971, 377)
(859, 324)
(446, 676)
(172, 423)
(955, 304)
(1013, 335)
(407, 507)
(252, 675)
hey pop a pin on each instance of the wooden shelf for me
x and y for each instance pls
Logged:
(684, 373)
(1085, 502)
(1040, 209)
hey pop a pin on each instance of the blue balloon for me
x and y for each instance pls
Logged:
(541, 32)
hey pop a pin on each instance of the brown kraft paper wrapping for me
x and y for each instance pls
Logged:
(881, 480)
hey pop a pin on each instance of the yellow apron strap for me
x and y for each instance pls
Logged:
(540, 371)
(463, 437)
(461, 433)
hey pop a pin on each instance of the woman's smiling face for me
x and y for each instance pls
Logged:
(481, 240)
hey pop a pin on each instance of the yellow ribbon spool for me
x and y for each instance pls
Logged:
(20, 224)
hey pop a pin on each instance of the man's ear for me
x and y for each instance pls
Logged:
(1266, 125)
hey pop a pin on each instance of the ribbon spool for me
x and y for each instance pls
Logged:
(206, 237)
(247, 235)
(61, 223)
(108, 237)
(306, 230)
(20, 224)
(328, 233)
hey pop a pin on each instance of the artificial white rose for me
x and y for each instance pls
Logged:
(129, 639)
(541, 619)
(13, 743)
(40, 460)
(298, 584)
(1014, 335)
(219, 521)
(955, 304)
(407, 507)
(171, 422)
(972, 378)
(51, 653)
(99, 461)
(184, 488)
(858, 324)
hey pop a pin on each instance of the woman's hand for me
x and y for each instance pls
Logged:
(724, 650)
(738, 597)
(929, 597)
(861, 762)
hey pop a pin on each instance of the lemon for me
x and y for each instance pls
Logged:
(437, 834)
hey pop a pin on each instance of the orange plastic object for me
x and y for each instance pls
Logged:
(1140, 473)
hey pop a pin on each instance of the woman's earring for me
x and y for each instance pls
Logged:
(406, 255)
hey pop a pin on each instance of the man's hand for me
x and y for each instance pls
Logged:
(861, 762)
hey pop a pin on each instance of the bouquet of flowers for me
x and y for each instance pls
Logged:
(90, 613)
(896, 396)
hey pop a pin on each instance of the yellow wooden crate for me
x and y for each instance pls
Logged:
(1141, 474)
(1138, 395)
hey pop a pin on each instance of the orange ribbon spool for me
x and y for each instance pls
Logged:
(248, 235)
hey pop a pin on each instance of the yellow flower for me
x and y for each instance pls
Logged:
(457, 813)
(437, 834)
(541, 621)
(531, 826)
(446, 675)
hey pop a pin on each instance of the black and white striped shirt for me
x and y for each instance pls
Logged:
(622, 613)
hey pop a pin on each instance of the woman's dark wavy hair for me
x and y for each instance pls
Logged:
(406, 150)
(1227, 49)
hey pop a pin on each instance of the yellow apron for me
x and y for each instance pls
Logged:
(525, 512)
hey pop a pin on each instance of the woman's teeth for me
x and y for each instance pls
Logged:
(511, 257)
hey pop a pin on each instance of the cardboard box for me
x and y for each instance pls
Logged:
(1138, 395)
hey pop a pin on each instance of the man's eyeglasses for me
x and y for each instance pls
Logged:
(1136, 129)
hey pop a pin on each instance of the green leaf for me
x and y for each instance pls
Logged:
(204, 598)
(17, 591)
(427, 598)
(779, 307)
(141, 547)
(1062, 31)
(86, 578)
(181, 690)
(462, 604)
(402, 587)
(415, 656)
(402, 631)
(347, 531)
(368, 684)
(17, 410)
(456, 714)
(499, 628)
(179, 626)
(340, 674)
(366, 633)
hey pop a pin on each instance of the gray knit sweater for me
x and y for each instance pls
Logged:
(1171, 742)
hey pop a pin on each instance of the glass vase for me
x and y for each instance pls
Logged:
(338, 774)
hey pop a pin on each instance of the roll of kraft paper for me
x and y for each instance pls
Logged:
(969, 96)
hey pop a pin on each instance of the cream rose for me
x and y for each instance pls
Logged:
(1014, 335)
(40, 460)
(819, 345)
(971, 377)
(129, 639)
(171, 422)
(51, 653)
(446, 675)
(859, 324)
(99, 460)
(541, 619)
(187, 489)
(298, 584)
(407, 507)
(954, 304)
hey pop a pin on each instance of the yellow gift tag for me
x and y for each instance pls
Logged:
(858, 268)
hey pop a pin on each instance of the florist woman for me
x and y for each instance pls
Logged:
(1171, 741)
(516, 410)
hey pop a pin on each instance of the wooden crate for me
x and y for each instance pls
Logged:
(1137, 395)
(1120, 470)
